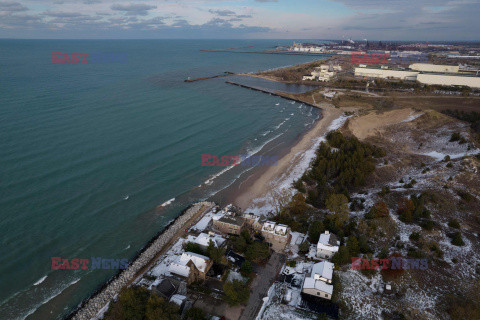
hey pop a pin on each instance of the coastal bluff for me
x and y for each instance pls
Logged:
(92, 306)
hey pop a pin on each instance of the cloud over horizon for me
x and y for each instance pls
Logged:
(304, 19)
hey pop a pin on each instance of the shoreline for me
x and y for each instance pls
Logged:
(256, 186)
(99, 298)
(273, 177)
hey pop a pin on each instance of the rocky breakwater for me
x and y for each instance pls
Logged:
(92, 306)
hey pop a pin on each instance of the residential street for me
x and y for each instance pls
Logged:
(261, 284)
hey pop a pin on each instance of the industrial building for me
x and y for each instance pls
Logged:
(428, 67)
(323, 73)
(383, 73)
(449, 80)
(424, 73)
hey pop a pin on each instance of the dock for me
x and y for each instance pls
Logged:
(280, 94)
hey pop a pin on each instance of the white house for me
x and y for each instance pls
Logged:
(191, 266)
(204, 239)
(327, 245)
(319, 283)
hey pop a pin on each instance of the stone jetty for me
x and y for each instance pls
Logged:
(92, 306)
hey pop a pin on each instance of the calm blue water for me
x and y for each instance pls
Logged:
(88, 152)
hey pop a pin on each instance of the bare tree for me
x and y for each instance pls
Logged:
(279, 200)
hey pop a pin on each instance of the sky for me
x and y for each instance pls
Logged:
(410, 20)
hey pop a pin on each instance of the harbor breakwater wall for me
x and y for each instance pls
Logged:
(90, 307)
(280, 94)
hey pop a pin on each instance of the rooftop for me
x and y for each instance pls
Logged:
(198, 260)
(204, 239)
(322, 269)
(328, 239)
(238, 221)
(311, 283)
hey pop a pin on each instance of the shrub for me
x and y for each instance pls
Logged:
(246, 268)
(357, 204)
(138, 303)
(342, 256)
(215, 253)
(405, 209)
(380, 210)
(453, 223)
(193, 247)
(467, 197)
(352, 246)
(257, 252)
(434, 247)
(415, 236)
(427, 224)
(239, 244)
(368, 272)
(338, 204)
(383, 253)
(236, 292)
(455, 136)
(195, 314)
(314, 231)
(385, 190)
(304, 247)
(449, 165)
(416, 254)
(457, 239)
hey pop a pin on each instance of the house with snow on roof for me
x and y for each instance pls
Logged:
(191, 267)
(327, 245)
(319, 283)
(203, 239)
(277, 235)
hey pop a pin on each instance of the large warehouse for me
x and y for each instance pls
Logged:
(449, 80)
(428, 67)
(385, 73)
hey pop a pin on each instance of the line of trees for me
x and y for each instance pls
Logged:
(341, 165)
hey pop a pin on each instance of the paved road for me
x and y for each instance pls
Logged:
(261, 284)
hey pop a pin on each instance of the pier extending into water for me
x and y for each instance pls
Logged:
(281, 94)
(226, 74)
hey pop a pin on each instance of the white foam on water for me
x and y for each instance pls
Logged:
(166, 203)
(40, 280)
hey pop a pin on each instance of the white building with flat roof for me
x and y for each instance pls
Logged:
(429, 67)
(449, 80)
(386, 73)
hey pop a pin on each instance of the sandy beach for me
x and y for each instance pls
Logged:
(255, 194)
